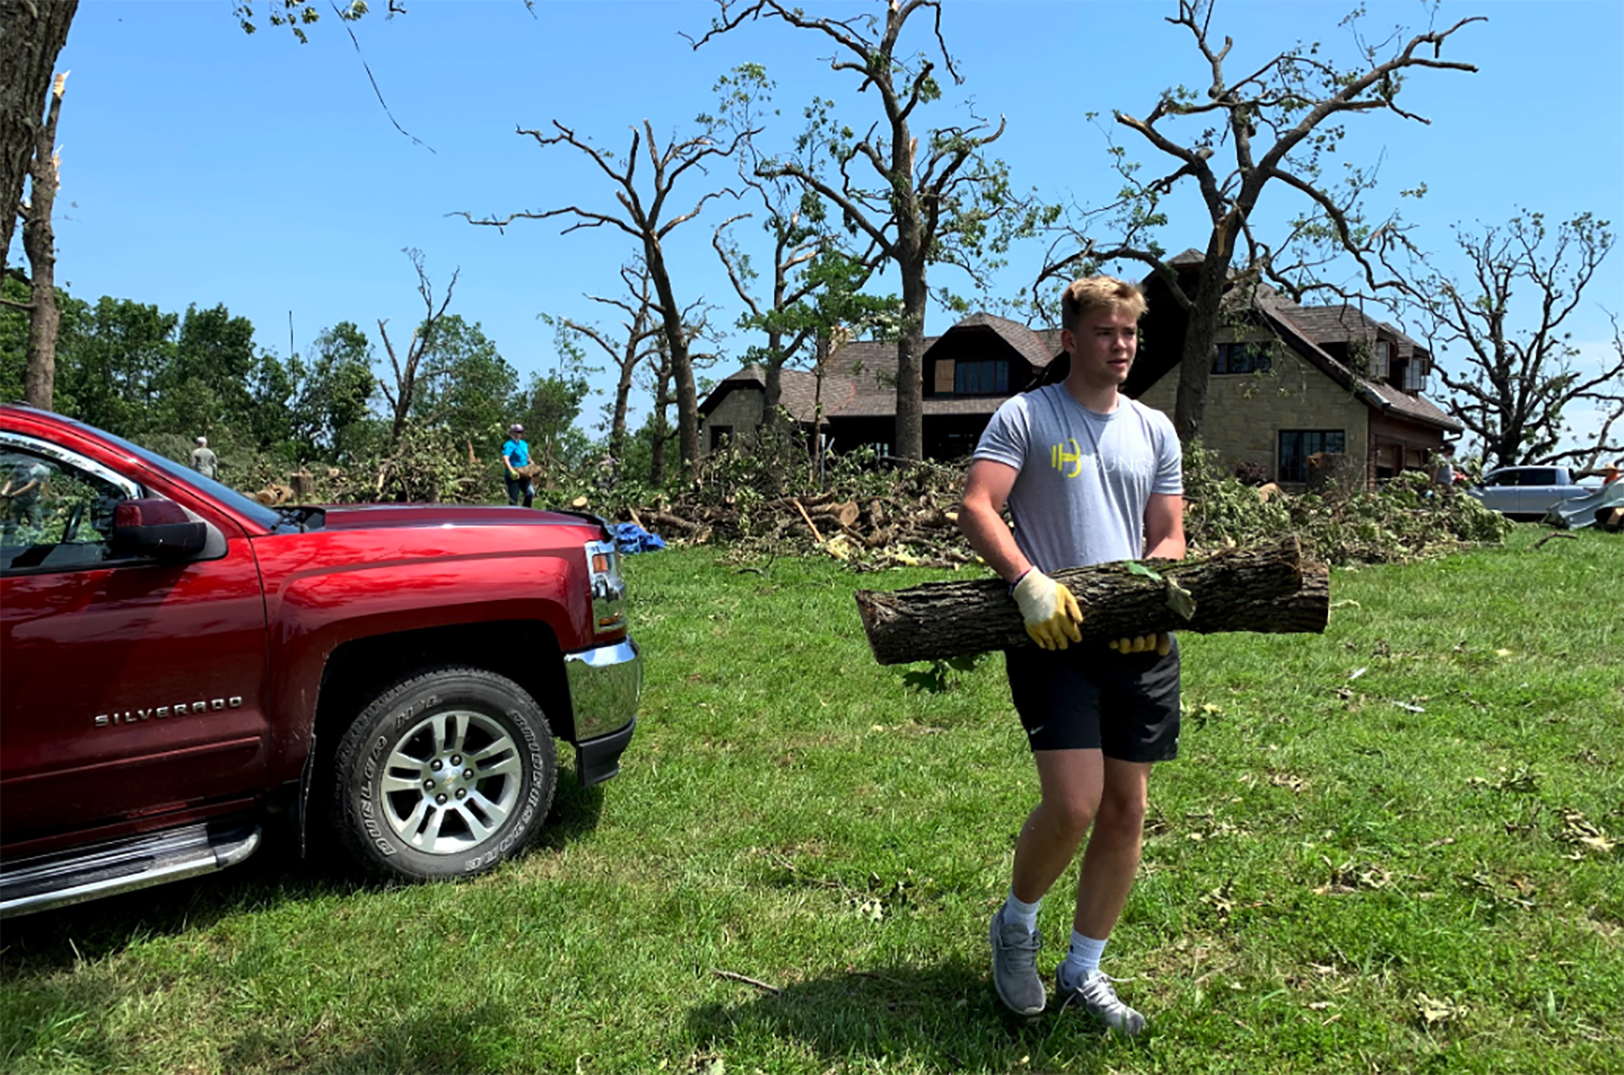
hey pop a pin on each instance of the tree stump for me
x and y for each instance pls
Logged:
(1266, 589)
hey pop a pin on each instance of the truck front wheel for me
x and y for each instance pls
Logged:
(444, 775)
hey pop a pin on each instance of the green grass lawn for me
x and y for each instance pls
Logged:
(1384, 849)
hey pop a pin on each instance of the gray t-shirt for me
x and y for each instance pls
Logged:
(204, 462)
(1085, 478)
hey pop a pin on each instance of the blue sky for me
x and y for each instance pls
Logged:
(203, 165)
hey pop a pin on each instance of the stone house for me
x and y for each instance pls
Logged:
(1287, 382)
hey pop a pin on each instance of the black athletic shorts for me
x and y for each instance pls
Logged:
(1090, 697)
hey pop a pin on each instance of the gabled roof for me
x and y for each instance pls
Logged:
(1287, 318)
(1334, 324)
(1036, 347)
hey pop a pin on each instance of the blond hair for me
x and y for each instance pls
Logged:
(1099, 292)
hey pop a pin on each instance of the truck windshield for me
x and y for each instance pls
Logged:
(242, 505)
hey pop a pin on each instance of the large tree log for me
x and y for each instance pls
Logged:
(1266, 589)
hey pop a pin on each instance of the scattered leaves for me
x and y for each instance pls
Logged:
(1584, 835)
(1439, 1011)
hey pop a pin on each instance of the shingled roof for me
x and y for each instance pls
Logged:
(1036, 346)
(1345, 322)
(860, 381)
(1335, 324)
(798, 390)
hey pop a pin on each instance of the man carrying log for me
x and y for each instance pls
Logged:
(1090, 477)
(515, 455)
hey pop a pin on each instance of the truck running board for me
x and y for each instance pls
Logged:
(56, 880)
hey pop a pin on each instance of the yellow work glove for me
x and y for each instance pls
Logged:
(1049, 609)
(1162, 643)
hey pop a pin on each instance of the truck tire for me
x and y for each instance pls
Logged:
(443, 775)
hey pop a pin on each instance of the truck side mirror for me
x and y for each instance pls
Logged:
(157, 528)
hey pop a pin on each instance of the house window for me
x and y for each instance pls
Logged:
(1296, 445)
(985, 378)
(1381, 361)
(719, 436)
(1240, 358)
(959, 443)
(1415, 376)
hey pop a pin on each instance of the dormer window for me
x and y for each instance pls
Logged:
(989, 377)
(1415, 376)
(1381, 361)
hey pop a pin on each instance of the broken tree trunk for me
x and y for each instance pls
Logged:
(1266, 588)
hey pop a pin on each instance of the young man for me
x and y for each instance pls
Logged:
(516, 454)
(1089, 476)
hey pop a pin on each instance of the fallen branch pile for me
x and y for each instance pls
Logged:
(1266, 588)
(821, 517)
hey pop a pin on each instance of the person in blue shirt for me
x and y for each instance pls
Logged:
(516, 454)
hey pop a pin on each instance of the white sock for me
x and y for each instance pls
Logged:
(1083, 957)
(1018, 910)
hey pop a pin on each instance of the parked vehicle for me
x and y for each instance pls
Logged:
(181, 662)
(1528, 492)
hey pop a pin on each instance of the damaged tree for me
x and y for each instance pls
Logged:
(629, 351)
(644, 216)
(1294, 101)
(1267, 589)
(31, 36)
(938, 199)
(39, 242)
(403, 393)
(1504, 326)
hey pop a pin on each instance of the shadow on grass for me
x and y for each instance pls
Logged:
(471, 1036)
(475, 1036)
(276, 874)
(946, 1016)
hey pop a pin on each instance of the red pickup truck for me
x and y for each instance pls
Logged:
(178, 663)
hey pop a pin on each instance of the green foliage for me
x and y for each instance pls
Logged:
(939, 677)
(834, 302)
(14, 335)
(550, 404)
(110, 362)
(332, 394)
(464, 384)
(296, 14)
(1405, 519)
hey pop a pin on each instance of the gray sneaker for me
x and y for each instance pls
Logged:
(1015, 966)
(1098, 996)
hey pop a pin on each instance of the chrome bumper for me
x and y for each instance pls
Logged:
(605, 684)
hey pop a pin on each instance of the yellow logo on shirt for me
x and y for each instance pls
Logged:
(1059, 457)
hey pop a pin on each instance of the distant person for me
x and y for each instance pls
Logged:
(1444, 474)
(20, 503)
(516, 454)
(203, 458)
(607, 475)
(1612, 472)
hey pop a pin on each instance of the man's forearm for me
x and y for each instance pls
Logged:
(1171, 548)
(991, 539)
